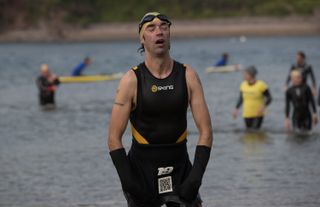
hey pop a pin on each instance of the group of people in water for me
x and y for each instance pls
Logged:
(255, 97)
(47, 82)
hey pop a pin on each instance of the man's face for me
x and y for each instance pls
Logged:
(156, 37)
(44, 71)
(247, 76)
(87, 61)
(300, 59)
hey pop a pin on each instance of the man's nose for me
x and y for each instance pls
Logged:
(158, 30)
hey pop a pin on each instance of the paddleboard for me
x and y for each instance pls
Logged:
(90, 78)
(223, 69)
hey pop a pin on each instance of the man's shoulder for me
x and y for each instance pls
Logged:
(137, 67)
(262, 83)
(130, 74)
(308, 67)
(243, 84)
(190, 71)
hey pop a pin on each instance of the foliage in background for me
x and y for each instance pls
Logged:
(26, 13)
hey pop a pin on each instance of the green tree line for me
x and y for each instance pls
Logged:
(25, 13)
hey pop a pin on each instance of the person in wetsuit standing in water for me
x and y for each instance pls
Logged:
(305, 70)
(299, 95)
(255, 96)
(47, 82)
(155, 96)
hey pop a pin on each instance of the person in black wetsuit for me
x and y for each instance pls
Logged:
(155, 96)
(47, 83)
(299, 95)
(305, 70)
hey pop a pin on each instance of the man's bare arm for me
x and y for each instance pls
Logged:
(124, 100)
(190, 187)
(199, 108)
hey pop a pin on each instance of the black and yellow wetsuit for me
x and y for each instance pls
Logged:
(160, 113)
(158, 155)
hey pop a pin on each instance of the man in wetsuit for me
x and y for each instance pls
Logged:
(223, 61)
(305, 70)
(299, 95)
(155, 96)
(255, 96)
(78, 70)
(47, 83)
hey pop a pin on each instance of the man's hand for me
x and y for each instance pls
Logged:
(315, 119)
(314, 92)
(235, 113)
(287, 124)
(262, 110)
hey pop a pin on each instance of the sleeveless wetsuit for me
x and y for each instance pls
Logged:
(301, 98)
(158, 155)
(160, 116)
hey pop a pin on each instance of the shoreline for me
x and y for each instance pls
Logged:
(226, 27)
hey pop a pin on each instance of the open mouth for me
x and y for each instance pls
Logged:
(160, 41)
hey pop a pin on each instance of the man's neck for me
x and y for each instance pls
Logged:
(159, 66)
(252, 82)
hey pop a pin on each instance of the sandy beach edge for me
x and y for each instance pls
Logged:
(227, 27)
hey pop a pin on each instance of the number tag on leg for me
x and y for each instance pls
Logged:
(164, 170)
(165, 184)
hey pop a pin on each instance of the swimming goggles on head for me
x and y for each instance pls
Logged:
(149, 17)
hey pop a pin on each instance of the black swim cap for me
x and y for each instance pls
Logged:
(252, 70)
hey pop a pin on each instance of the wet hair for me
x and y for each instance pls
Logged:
(141, 49)
(251, 70)
(301, 54)
(225, 55)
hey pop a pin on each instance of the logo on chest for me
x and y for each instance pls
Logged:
(155, 88)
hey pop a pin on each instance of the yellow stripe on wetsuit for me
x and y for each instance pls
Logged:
(141, 140)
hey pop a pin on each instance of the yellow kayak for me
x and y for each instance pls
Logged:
(89, 78)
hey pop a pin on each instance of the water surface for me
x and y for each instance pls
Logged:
(59, 158)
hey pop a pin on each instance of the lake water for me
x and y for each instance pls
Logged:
(58, 158)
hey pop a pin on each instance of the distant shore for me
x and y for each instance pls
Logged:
(242, 26)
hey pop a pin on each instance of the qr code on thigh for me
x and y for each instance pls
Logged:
(165, 184)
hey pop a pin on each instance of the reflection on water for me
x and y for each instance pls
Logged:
(254, 142)
(58, 157)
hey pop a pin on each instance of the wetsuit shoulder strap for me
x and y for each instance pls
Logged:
(137, 70)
